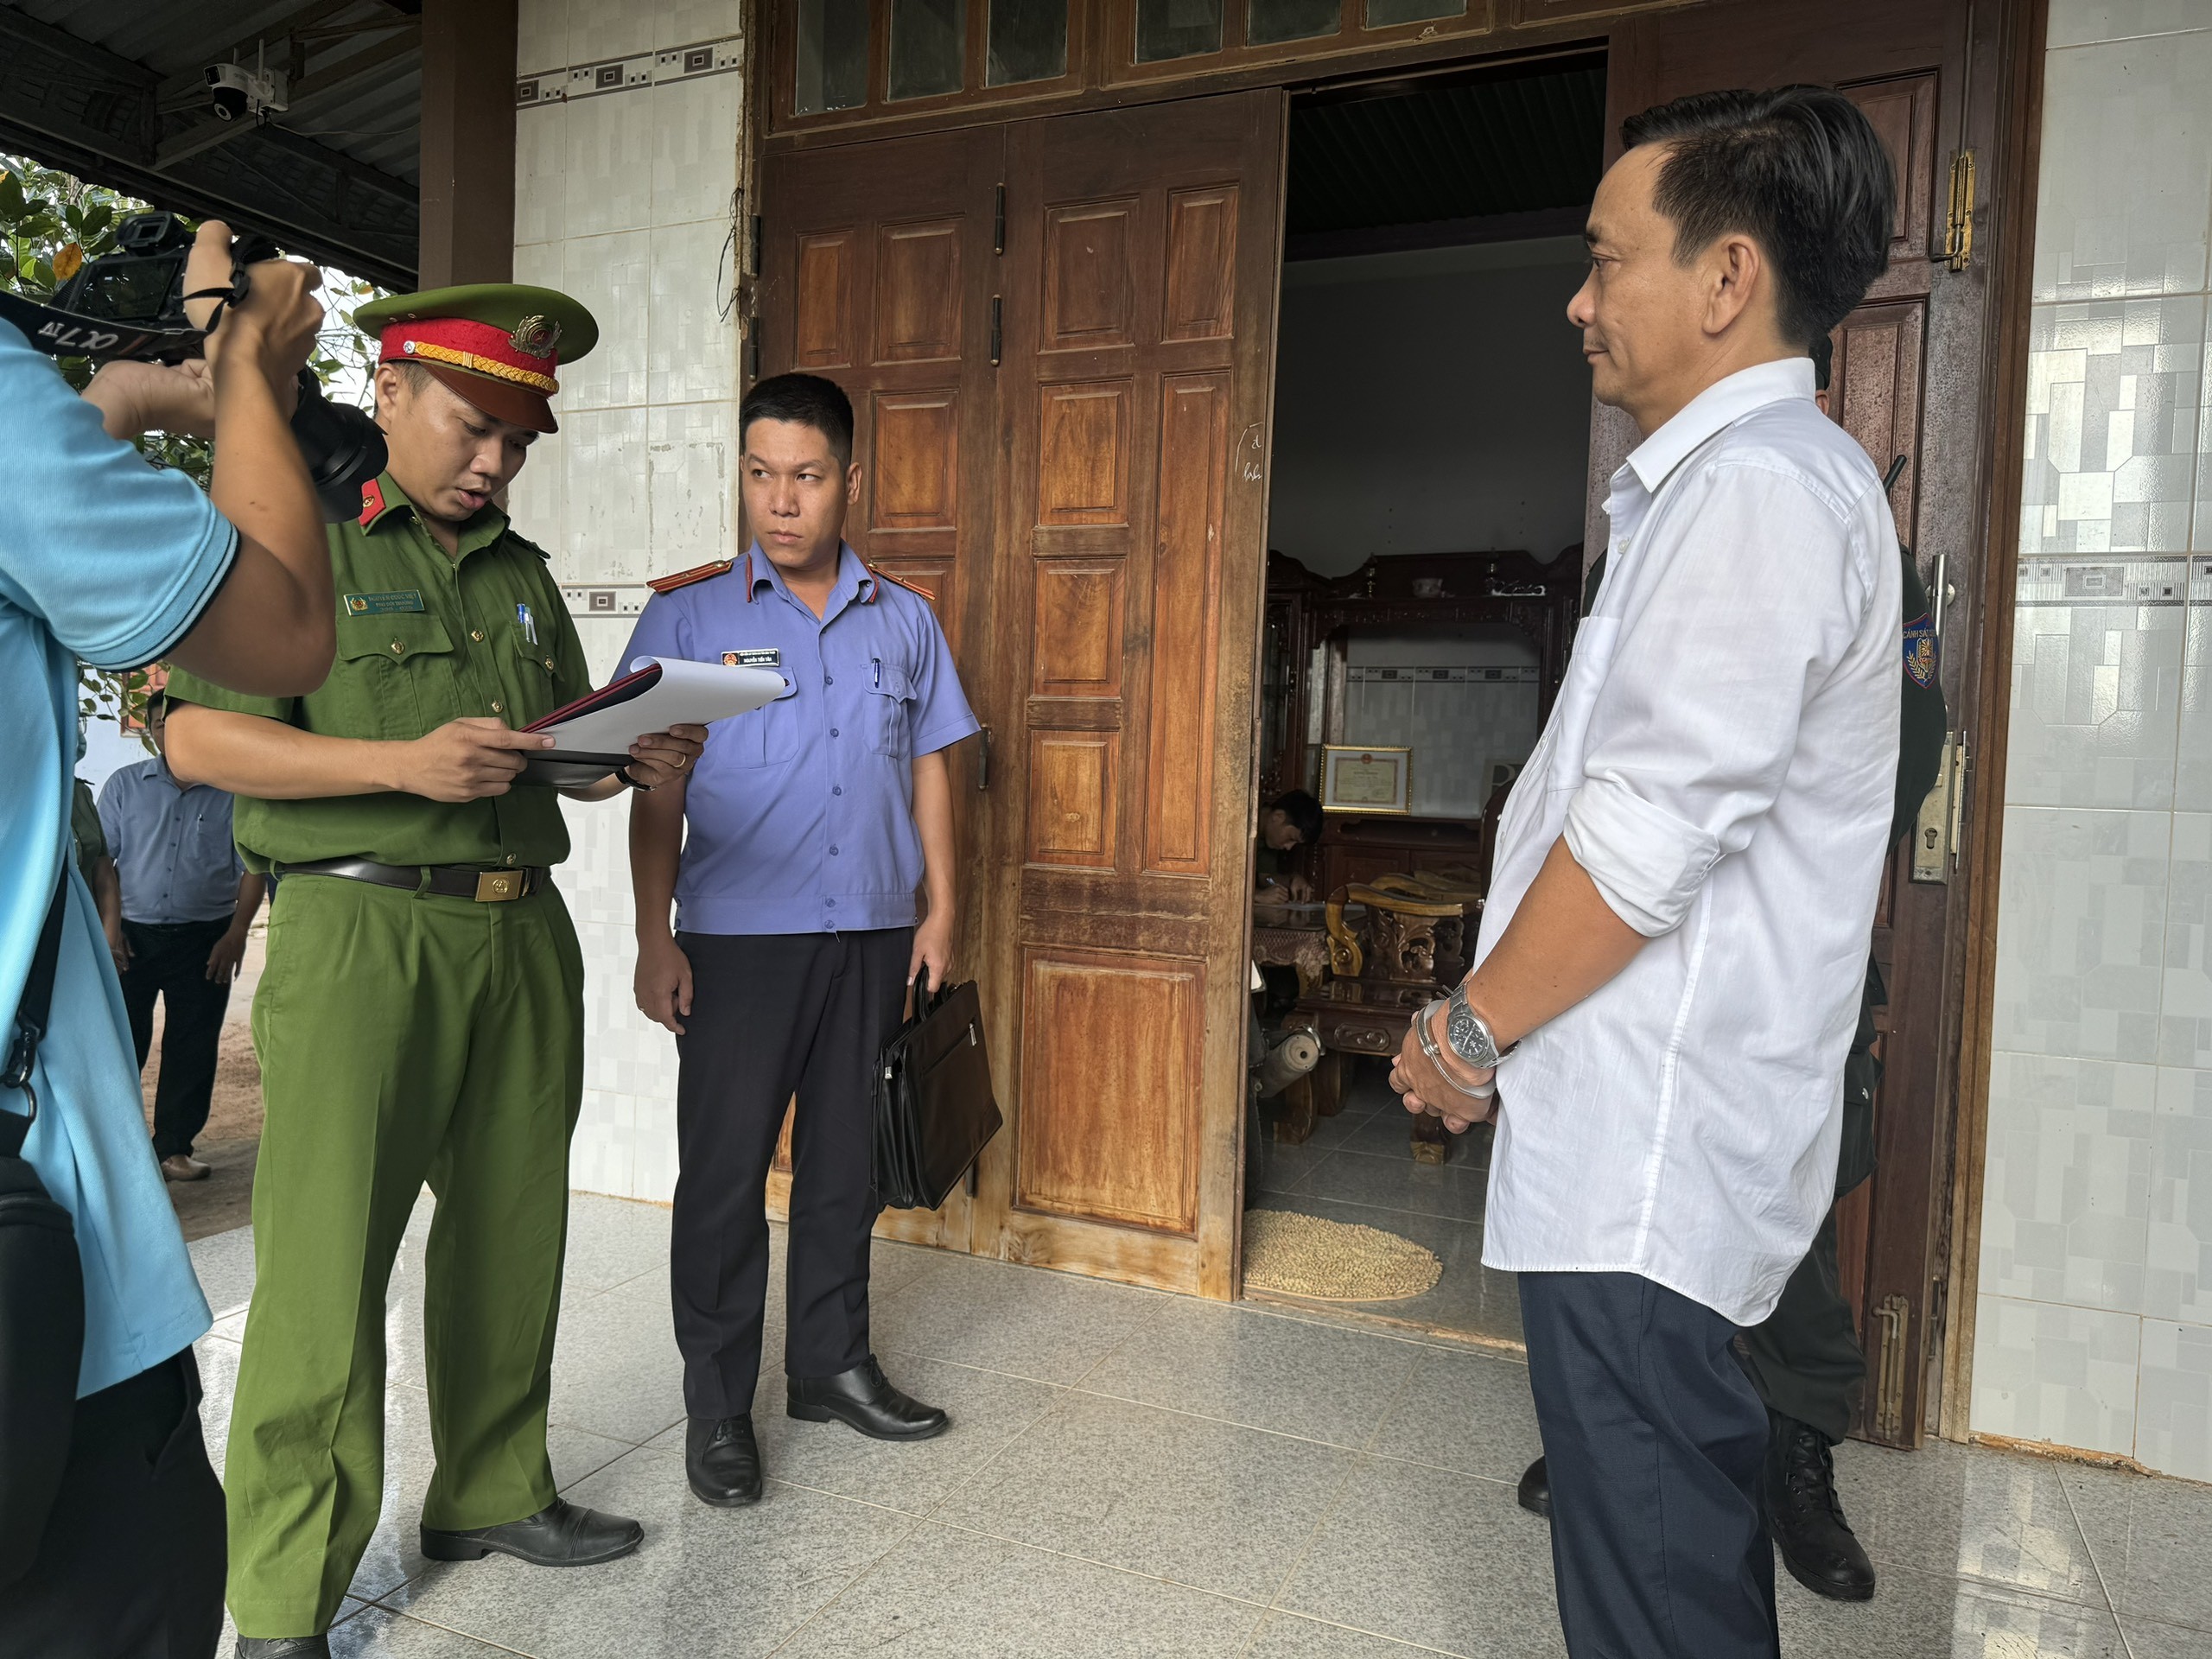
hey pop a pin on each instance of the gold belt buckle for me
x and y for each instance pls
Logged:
(498, 886)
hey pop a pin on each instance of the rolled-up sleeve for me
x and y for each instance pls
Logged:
(1750, 596)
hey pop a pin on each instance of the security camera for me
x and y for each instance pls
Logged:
(237, 91)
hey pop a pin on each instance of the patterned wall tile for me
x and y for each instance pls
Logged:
(2081, 23)
(2081, 932)
(610, 274)
(2177, 1280)
(691, 348)
(2047, 1372)
(2067, 1199)
(2193, 774)
(695, 147)
(2185, 1018)
(2113, 418)
(2125, 184)
(2096, 686)
(2174, 1428)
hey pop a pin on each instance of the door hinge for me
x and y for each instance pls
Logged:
(998, 223)
(998, 328)
(1889, 1400)
(753, 253)
(1958, 219)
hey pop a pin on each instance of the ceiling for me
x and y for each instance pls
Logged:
(1466, 160)
(113, 89)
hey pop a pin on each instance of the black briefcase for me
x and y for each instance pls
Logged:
(934, 1108)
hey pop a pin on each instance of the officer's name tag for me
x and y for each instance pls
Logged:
(770, 657)
(409, 599)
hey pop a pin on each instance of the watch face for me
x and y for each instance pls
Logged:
(1468, 1039)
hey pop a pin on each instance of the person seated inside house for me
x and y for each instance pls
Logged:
(1292, 820)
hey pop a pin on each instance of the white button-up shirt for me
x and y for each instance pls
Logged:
(1722, 760)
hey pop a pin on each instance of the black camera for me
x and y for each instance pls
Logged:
(130, 304)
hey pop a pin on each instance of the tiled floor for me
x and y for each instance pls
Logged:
(1358, 1167)
(1135, 1474)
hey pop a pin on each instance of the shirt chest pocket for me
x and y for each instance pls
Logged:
(891, 711)
(766, 736)
(537, 680)
(401, 679)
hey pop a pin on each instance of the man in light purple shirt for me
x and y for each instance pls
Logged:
(810, 824)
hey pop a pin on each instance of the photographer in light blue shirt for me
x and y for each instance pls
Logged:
(106, 560)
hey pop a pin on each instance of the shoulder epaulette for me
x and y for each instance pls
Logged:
(685, 578)
(881, 574)
(371, 503)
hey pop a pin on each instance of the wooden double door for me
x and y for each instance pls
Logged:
(1058, 337)
(1058, 340)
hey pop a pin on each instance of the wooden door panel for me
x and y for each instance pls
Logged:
(1141, 270)
(876, 270)
(1880, 352)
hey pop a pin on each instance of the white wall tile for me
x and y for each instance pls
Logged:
(2065, 1375)
(695, 147)
(2081, 932)
(2185, 1018)
(611, 275)
(2126, 189)
(2096, 686)
(541, 36)
(607, 517)
(2193, 771)
(2113, 392)
(2174, 1431)
(537, 501)
(2066, 1202)
(599, 29)
(541, 174)
(608, 157)
(599, 1152)
(2177, 1281)
(694, 479)
(2081, 23)
(687, 22)
(692, 349)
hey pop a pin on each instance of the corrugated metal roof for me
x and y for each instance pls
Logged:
(1469, 150)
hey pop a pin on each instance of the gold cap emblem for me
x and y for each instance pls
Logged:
(537, 336)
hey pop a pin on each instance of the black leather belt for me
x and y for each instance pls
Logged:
(447, 881)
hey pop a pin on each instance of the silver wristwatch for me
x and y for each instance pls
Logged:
(1469, 1033)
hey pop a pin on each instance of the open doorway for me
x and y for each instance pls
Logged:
(1431, 447)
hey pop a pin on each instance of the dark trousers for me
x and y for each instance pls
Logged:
(775, 1015)
(169, 960)
(131, 1565)
(1804, 1358)
(1654, 1439)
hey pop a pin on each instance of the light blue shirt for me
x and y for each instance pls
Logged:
(171, 845)
(800, 816)
(105, 558)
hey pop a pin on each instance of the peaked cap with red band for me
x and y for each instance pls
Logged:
(498, 344)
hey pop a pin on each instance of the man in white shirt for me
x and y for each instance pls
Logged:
(1685, 878)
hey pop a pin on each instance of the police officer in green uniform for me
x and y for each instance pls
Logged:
(421, 1015)
(1805, 1358)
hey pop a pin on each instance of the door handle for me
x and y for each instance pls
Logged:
(983, 759)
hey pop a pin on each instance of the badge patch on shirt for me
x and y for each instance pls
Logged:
(768, 657)
(406, 599)
(1920, 650)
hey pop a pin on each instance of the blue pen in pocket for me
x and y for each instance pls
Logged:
(529, 623)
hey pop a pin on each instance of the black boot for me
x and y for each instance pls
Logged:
(1810, 1534)
(560, 1534)
(1535, 1492)
(722, 1461)
(284, 1647)
(864, 1398)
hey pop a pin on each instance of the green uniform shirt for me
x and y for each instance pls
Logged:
(423, 638)
(86, 834)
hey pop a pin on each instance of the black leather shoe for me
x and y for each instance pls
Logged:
(722, 1461)
(1536, 1490)
(1810, 1534)
(560, 1534)
(284, 1647)
(865, 1398)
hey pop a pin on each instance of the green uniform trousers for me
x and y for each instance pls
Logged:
(404, 1037)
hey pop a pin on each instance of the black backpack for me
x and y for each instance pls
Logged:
(41, 1289)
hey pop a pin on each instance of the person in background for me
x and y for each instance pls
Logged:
(1673, 953)
(1289, 821)
(179, 933)
(811, 823)
(106, 560)
(88, 846)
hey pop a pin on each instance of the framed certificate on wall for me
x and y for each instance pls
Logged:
(1356, 779)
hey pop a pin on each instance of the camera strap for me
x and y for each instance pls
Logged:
(31, 1015)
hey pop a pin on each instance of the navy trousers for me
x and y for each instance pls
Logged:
(1653, 1438)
